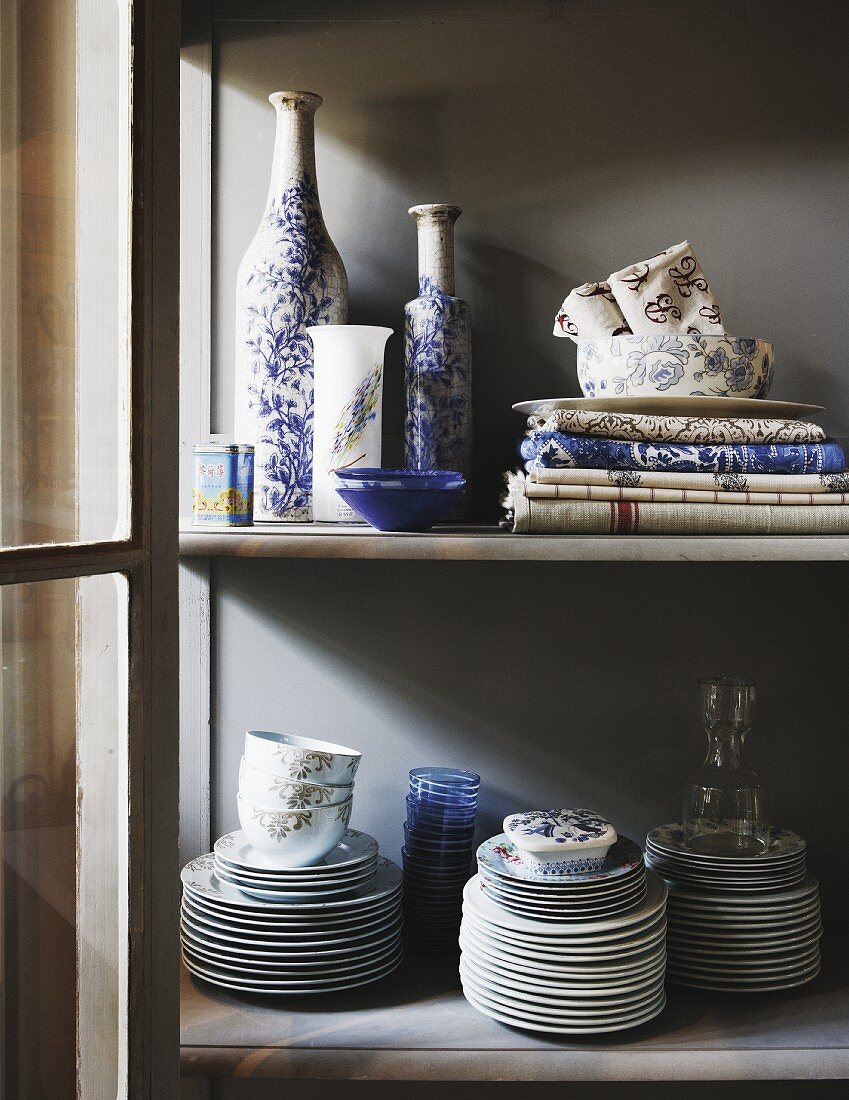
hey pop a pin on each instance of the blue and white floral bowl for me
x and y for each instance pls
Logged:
(678, 364)
(560, 842)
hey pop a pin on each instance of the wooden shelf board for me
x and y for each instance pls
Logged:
(416, 1025)
(315, 540)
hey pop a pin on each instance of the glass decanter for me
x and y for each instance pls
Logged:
(725, 810)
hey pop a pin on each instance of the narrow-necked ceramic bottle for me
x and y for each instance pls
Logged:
(438, 354)
(290, 277)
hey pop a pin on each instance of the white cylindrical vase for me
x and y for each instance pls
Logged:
(348, 396)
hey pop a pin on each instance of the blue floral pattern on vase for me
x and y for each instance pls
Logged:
(437, 356)
(291, 277)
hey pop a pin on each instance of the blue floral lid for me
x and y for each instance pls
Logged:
(556, 830)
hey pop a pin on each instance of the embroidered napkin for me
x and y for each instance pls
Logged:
(668, 292)
(677, 429)
(589, 312)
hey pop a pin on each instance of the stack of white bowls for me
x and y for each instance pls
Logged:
(739, 923)
(295, 795)
(294, 901)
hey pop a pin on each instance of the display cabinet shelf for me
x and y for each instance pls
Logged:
(417, 1026)
(493, 544)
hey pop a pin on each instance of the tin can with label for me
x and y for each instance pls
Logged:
(224, 485)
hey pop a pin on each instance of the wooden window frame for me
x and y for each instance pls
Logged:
(148, 557)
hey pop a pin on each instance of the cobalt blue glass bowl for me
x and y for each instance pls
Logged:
(400, 509)
(371, 478)
(438, 778)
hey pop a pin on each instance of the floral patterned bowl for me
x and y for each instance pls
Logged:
(279, 793)
(303, 759)
(560, 842)
(679, 364)
(294, 838)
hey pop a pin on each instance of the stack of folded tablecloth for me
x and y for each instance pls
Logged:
(620, 473)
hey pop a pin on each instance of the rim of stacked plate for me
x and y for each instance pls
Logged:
(533, 1014)
(709, 902)
(299, 971)
(354, 847)
(246, 987)
(198, 877)
(286, 923)
(640, 964)
(295, 985)
(548, 889)
(655, 898)
(501, 856)
(556, 901)
(260, 945)
(563, 1029)
(783, 842)
(527, 953)
(552, 1004)
(713, 987)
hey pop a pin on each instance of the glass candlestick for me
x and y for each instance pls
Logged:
(725, 810)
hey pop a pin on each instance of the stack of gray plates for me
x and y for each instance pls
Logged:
(255, 929)
(743, 924)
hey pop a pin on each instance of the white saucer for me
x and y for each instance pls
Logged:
(590, 894)
(331, 891)
(749, 407)
(200, 881)
(500, 856)
(355, 847)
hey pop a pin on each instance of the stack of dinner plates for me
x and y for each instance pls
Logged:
(584, 896)
(333, 925)
(743, 924)
(585, 970)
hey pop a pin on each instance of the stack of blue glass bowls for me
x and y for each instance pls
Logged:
(437, 853)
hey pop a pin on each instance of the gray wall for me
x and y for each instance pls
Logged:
(575, 145)
(561, 684)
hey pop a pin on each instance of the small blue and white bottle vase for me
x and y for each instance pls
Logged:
(438, 354)
(290, 277)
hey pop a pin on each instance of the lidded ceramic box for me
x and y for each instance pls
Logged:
(560, 842)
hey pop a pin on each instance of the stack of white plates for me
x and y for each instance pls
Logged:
(569, 975)
(739, 923)
(591, 895)
(314, 929)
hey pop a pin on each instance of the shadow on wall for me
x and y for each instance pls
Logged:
(559, 684)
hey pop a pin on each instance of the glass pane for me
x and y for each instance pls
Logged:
(63, 822)
(64, 196)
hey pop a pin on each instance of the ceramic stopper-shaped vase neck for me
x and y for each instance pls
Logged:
(294, 142)
(435, 224)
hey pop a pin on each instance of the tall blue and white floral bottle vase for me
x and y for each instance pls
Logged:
(290, 277)
(438, 355)
(348, 409)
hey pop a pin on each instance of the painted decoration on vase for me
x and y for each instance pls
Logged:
(348, 408)
(291, 277)
(438, 355)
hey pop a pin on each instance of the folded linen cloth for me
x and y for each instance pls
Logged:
(537, 491)
(668, 291)
(677, 429)
(564, 517)
(555, 449)
(589, 312)
(803, 485)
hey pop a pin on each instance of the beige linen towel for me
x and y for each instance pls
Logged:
(677, 429)
(589, 312)
(667, 293)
